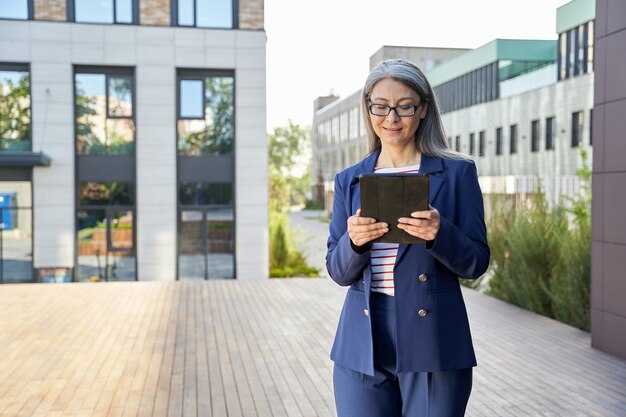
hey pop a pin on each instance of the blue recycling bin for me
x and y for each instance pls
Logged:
(8, 217)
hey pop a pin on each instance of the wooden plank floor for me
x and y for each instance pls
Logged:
(233, 348)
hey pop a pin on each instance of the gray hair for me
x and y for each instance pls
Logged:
(430, 136)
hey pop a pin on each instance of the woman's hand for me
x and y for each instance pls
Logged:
(422, 224)
(365, 229)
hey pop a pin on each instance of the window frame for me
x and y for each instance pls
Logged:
(513, 136)
(550, 133)
(534, 135)
(71, 14)
(499, 140)
(578, 127)
(107, 71)
(174, 16)
(17, 66)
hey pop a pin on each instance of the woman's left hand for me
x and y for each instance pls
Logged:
(422, 224)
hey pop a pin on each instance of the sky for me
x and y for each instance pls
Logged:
(315, 47)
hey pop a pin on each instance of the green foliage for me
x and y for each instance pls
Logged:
(286, 188)
(285, 260)
(15, 114)
(542, 261)
(286, 146)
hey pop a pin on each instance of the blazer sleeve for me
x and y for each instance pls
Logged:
(344, 264)
(462, 245)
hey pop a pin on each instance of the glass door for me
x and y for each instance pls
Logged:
(106, 248)
(206, 244)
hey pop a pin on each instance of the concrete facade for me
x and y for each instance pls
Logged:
(155, 53)
(558, 100)
(608, 280)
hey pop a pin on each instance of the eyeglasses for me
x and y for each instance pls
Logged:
(404, 110)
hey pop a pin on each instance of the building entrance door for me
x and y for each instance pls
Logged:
(106, 244)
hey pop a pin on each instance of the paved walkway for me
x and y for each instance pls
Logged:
(245, 349)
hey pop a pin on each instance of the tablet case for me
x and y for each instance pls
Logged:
(387, 197)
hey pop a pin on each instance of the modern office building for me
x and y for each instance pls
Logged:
(132, 140)
(520, 108)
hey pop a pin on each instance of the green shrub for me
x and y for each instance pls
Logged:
(541, 258)
(285, 259)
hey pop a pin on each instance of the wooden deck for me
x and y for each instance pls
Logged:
(232, 348)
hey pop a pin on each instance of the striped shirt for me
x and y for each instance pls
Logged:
(383, 255)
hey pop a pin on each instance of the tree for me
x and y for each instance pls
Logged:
(15, 114)
(287, 146)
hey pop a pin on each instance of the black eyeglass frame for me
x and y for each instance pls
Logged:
(415, 107)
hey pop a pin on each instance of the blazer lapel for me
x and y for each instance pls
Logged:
(433, 167)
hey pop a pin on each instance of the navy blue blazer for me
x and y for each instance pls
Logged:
(441, 339)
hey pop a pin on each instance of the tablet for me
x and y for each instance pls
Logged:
(387, 197)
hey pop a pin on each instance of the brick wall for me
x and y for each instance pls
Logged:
(251, 14)
(50, 10)
(154, 12)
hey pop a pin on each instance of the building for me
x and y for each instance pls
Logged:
(520, 108)
(608, 250)
(132, 140)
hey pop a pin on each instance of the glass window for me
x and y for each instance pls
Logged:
(204, 193)
(471, 144)
(16, 232)
(14, 9)
(354, 123)
(105, 193)
(534, 136)
(15, 113)
(207, 231)
(571, 52)
(513, 139)
(562, 56)
(103, 11)
(206, 116)
(335, 130)
(205, 13)
(192, 99)
(590, 36)
(499, 141)
(105, 235)
(343, 126)
(580, 50)
(481, 143)
(577, 128)
(550, 131)
(104, 113)
(457, 144)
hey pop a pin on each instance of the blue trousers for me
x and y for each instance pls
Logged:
(397, 394)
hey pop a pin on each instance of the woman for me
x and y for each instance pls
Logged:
(403, 345)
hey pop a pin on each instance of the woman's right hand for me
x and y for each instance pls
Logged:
(365, 229)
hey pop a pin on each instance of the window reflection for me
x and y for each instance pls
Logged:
(16, 233)
(104, 111)
(210, 131)
(14, 9)
(201, 193)
(15, 116)
(105, 193)
(103, 11)
(205, 13)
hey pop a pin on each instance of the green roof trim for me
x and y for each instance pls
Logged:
(496, 50)
(574, 13)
